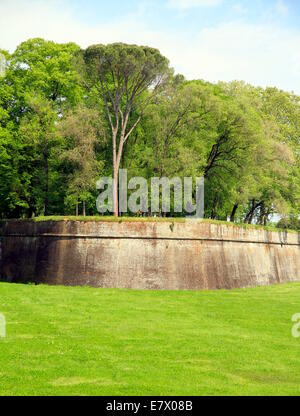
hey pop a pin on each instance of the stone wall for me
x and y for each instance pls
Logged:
(146, 255)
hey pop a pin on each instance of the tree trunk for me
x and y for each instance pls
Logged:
(250, 215)
(116, 193)
(77, 207)
(213, 215)
(261, 215)
(31, 211)
(83, 208)
(115, 176)
(232, 216)
(250, 219)
(46, 171)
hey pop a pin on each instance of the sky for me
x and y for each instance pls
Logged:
(257, 41)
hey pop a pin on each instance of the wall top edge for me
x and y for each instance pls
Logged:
(173, 230)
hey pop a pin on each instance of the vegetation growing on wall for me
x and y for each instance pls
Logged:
(68, 117)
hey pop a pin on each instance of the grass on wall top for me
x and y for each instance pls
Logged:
(155, 219)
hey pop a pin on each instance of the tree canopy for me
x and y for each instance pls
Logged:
(69, 116)
(123, 75)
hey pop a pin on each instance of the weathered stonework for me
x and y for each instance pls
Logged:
(146, 255)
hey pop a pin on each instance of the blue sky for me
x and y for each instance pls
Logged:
(191, 14)
(256, 41)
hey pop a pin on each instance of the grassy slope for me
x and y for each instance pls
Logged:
(84, 341)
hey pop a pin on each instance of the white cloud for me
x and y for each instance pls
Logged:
(188, 4)
(282, 8)
(259, 54)
(262, 55)
(239, 8)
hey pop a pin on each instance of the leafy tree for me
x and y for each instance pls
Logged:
(43, 83)
(177, 111)
(271, 160)
(54, 100)
(81, 130)
(48, 69)
(38, 130)
(123, 76)
(11, 190)
(282, 110)
(292, 222)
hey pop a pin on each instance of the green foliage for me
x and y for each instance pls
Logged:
(81, 129)
(126, 69)
(60, 105)
(289, 223)
(127, 78)
(38, 133)
(47, 68)
(40, 83)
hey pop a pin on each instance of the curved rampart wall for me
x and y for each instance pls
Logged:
(146, 255)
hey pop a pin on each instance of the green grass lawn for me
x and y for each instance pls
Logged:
(84, 341)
